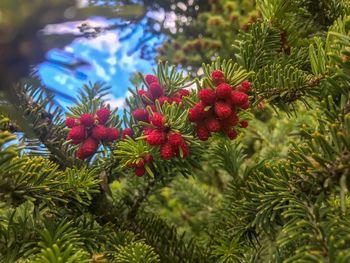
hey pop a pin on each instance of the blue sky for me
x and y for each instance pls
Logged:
(111, 61)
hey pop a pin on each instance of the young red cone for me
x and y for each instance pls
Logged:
(197, 112)
(207, 96)
(87, 148)
(140, 115)
(222, 110)
(127, 132)
(232, 120)
(70, 122)
(202, 133)
(166, 151)
(223, 91)
(99, 132)
(213, 125)
(239, 98)
(164, 99)
(112, 134)
(217, 77)
(87, 120)
(178, 145)
(146, 96)
(244, 123)
(156, 137)
(156, 90)
(153, 108)
(103, 115)
(185, 149)
(231, 133)
(148, 158)
(140, 171)
(77, 133)
(177, 100)
(245, 86)
(245, 106)
(182, 93)
(175, 138)
(150, 79)
(140, 163)
(157, 120)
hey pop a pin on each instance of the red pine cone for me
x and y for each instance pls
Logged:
(150, 79)
(103, 115)
(202, 133)
(207, 96)
(177, 100)
(87, 120)
(166, 151)
(148, 158)
(127, 132)
(185, 150)
(182, 93)
(231, 120)
(140, 171)
(147, 130)
(157, 120)
(222, 110)
(210, 113)
(87, 148)
(213, 125)
(175, 138)
(72, 141)
(164, 99)
(156, 137)
(112, 134)
(99, 132)
(223, 91)
(239, 98)
(145, 94)
(140, 163)
(231, 133)
(70, 122)
(153, 108)
(217, 77)
(245, 86)
(141, 92)
(245, 106)
(244, 123)
(80, 154)
(77, 133)
(193, 115)
(140, 115)
(197, 112)
(156, 90)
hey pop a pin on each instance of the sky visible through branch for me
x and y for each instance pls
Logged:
(110, 60)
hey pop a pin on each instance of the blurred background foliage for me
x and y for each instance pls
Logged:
(218, 191)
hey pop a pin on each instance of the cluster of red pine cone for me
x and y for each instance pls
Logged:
(170, 142)
(89, 131)
(139, 166)
(155, 92)
(217, 109)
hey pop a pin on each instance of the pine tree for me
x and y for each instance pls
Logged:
(159, 184)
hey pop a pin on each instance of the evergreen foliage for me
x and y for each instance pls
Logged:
(277, 193)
